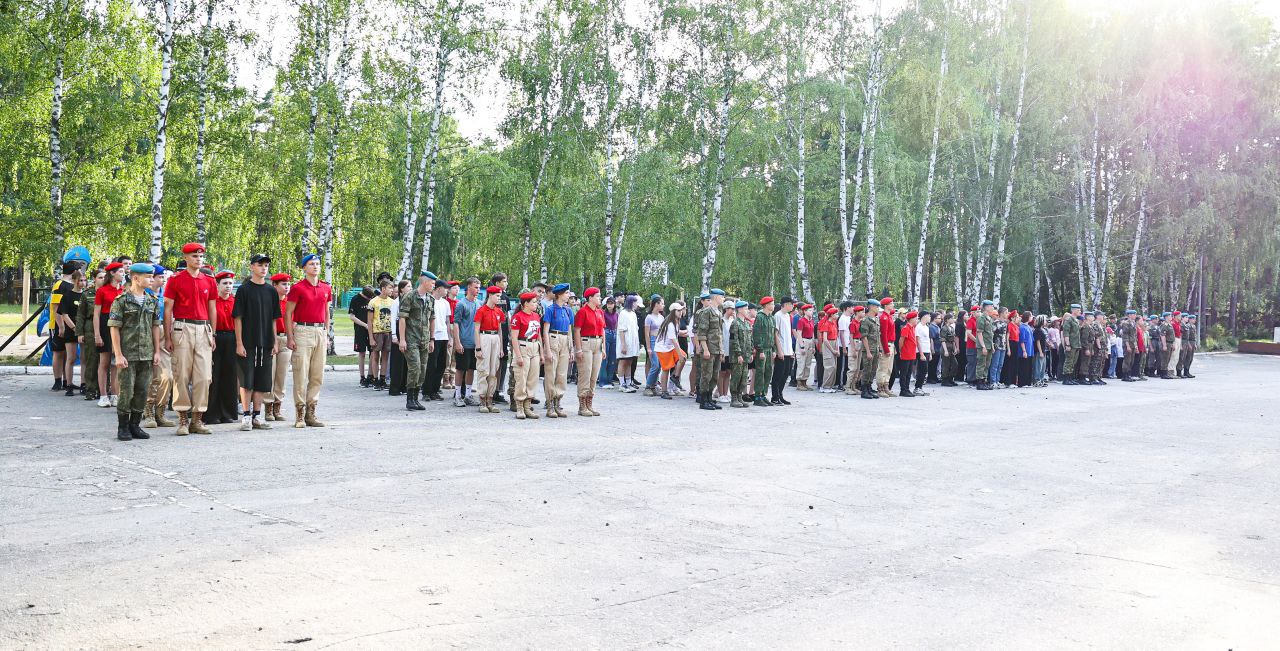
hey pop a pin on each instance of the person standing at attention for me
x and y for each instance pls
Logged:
(306, 321)
(189, 303)
(255, 312)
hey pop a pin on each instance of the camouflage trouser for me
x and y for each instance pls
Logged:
(89, 367)
(948, 367)
(695, 366)
(1124, 368)
(1098, 363)
(134, 381)
(1165, 355)
(415, 361)
(984, 364)
(707, 369)
(1071, 356)
(1188, 355)
(738, 380)
(869, 368)
(764, 374)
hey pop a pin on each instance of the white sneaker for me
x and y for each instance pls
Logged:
(104, 401)
(722, 399)
(115, 400)
(471, 401)
(459, 402)
(246, 423)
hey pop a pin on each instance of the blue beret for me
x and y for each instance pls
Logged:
(428, 275)
(142, 268)
(704, 296)
(1097, 312)
(1128, 312)
(159, 269)
(1166, 314)
(1076, 306)
(1193, 316)
(718, 292)
(1081, 317)
(561, 287)
(740, 304)
(307, 258)
(986, 303)
(872, 301)
(1153, 316)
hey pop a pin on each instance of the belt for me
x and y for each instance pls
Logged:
(558, 332)
(590, 336)
(531, 341)
(312, 325)
(489, 332)
(195, 321)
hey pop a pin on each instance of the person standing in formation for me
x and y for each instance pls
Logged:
(108, 373)
(557, 326)
(1071, 345)
(358, 312)
(805, 347)
(739, 354)
(223, 385)
(464, 337)
(134, 321)
(378, 323)
(489, 353)
(986, 345)
(829, 345)
(588, 334)
(306, 321)
(280, 366)
(668, 349)
(256, 309)
(853, 354)
(764, 343)
(525, 325)
(416, 315)
(1187, 353)
(188, 306)
(438, 330)
(871, 348)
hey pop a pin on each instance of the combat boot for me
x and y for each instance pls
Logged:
(591, 405)
(197, 423)
(560, 410)
(583, 410)
(528, 410)
(148, 416)
(309, 416)
(157, 412)
(551, 408)
(520, 413)
(183, 424)
(122, 427)
(736, 401)
(299, 420)
(134, 429)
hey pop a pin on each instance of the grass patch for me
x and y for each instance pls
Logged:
(342, 359)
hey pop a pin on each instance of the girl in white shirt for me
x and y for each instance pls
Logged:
(628, 343)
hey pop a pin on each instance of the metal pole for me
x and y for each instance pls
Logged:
(26, 300)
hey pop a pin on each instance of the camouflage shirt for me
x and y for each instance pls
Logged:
(135, 317)
(709, 326)
(740, 340)
(84, 314)
(762, 334)
(1129, 333)
(1166, 331)
(870, 332)
(417, 312)
(986, 331)
(948, 338)
(1189, 334)
(1071, 331)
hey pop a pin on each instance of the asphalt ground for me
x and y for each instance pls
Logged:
(1126, 516)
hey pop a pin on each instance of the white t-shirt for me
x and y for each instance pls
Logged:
(395, 318)
(842, 326)
(782, 321)
(924, 343)
(725, 325)
(440, 325)
(665, 342)
(628, 335)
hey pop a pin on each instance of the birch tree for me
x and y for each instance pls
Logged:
(166, 18)
(342, 70)
(202, 117)
(933, 162)
(1013, 156)
(316, 78)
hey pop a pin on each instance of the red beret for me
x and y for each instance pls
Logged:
(591, 291)
(223, 274)
(831, 310)
(859, 308)
(113, 266)
(493, 289)
(1177, 314)
(528, 296)
(192, 247)
(973, 307)
(454, 283)
(827, 307)
(886, 301)
(281, 277)
(766, 300)
(911, 315)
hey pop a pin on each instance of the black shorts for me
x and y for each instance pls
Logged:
(362, 340)
(726, 365)
(255, 369)
(106, 336)
(465, 360)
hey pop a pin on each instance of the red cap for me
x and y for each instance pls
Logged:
(859, 308)
(454, 283)
(528, 296)
(886, 301)
(827, 307)
(911, 315)
(973, 307)
(281, 277)
(113, 266)
(766, 300)
(1177, 314)
(192, 247)
(591, 291)
(493, 289)
(831, 310)
(223, 274)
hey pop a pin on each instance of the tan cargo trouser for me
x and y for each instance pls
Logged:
(829, 354)
(161, 388)
(853, 358)
(804, 359)
(192, 363)
(885, 368)
(589, 365)
(1175, 352)
(308, 362)
(527, 374)
(487, 363)
(556, 382)
(280, 369)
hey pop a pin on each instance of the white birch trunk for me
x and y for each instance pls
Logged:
(609, 271)
(616, 253)
(428, 217)
(533, 204)
(1090, 242)
(1137, 246)
(1013, 159)
(801, 264)
(871, 188)
(1035, 283)
(955, 237)
(202, 117)
(314, 79)
(1104, 253)
(162, 126)
(433, 151)
(542, 258)
(407, 216)
(55, 153)
(928, 186)
(712, 241)
(335, 131)
(979, 271)
(1048, 279)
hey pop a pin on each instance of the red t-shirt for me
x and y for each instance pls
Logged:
(1142, 340)
(280, 321)
(1013, 331)
(526, 326)
(489, 318)
(887, 330)
(805, 326)
(1177, 329)
(972, 326)
(590, 321)
(191, 295)
(830, 329)
(907, 342)
(855, 327)
(453, 305)
(312, 301)
(224, 306)
(105, 296)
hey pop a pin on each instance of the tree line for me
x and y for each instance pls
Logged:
(1038, 152)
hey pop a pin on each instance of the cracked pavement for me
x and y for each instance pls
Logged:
(1132, 515)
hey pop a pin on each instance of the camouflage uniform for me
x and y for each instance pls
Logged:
(88, 352)
(949, 345)
(739, 356)
(418, 313)
(762, 341)
(708, 326)
(870, 342)
(1089, 351)
(987, 333)
(1166, 347)
(135, 317)
(1102, 352)
(1071, 345)
(1129, 333)
(1188, 352)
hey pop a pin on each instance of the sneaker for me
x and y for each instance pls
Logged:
(471, 401)
(115, 400)
(459, 402)
(246, 423)
(649, 392)
(724, 399)
(103, 401)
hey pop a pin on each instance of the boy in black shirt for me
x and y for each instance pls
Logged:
(256, 309)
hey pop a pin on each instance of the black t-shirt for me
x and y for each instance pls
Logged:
(359, 307)
(69, 304)
(1040, 338)
(258, 307)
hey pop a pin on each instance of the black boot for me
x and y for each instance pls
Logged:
(135, 428)
(57, 385)
(122, 427)
(867, 395)
(411, 400)
(705, 402)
